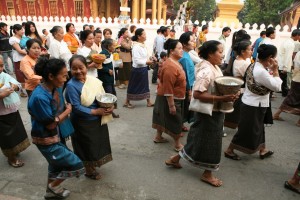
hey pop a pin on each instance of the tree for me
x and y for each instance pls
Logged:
(263, 11)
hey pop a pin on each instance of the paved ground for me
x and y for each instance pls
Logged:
(138, 171)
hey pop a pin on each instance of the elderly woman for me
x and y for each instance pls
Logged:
(50, 122)
(91, 138)
(13, 136)
(167, 112)
(27, 65)
(71, 38)
(138, 87)
(250, 136)
(204, 142)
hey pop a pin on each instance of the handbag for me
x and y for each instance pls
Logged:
(202, 107)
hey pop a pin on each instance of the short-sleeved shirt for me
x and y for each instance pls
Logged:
(172, 80)
(27, 67)
(85, 51)
(240, 67)
(17, 57)
(72, 41)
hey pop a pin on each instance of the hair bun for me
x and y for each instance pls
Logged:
(262, 48)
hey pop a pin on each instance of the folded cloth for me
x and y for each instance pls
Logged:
(13, 99)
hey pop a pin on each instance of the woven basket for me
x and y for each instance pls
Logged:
(112, 100)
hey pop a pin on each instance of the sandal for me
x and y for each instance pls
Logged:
(214, 182)
(17, 164)
(233, 157)
(177, 149)
(287, 185)
(161, 140)
(57, 191)
(128, 106)
(95, 176)
(150, 105)
(266, 155)
(278, 118)
(170, 163)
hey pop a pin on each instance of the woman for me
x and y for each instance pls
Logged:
(291, 103)
(13, 136)
(167, 112)
(132, 30)
(125, 55)
(18, 54)
(240, 65)
(138, 87)
(58, 47)
(204, 142)
(30, 33)
(294, 183)
(87, 39)
(97, 40)
(250, 136)
(49, 119)
(187, 41)
(91, 139)
(27, 64)
(71, 38)
(107, 33)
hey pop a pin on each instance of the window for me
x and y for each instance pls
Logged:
(53, 8)
(31, 7)
(78, 8)
(10, 8)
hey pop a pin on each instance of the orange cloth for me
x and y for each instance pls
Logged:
(72, 42)
(31, 80)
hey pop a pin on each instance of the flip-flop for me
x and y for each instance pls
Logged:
(150, 105)
(170, 163)
(278, 118)
(287, 185)
(266, 155)
(17, 164)
(95, 176)
(178, 149)
(162, 140)
(130, 106)
(233, 157)
(215, 182)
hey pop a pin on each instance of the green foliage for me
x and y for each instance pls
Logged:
(263, 11)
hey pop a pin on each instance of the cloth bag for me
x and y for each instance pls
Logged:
(198, 106)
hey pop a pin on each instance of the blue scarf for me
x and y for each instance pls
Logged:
(13, 99)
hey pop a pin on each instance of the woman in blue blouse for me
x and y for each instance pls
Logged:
(49, 119)
(91, 137)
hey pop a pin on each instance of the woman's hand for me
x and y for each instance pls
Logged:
(111, 72)
(14, 87)
(230, 97)
(172, 110)
(6, 92)
(93, 65)
(103, 111)
(149, 62)
(68, 108)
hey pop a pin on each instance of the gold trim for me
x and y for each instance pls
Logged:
(98, 163)
(17, 149)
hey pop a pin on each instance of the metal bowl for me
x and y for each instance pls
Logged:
(106, 100)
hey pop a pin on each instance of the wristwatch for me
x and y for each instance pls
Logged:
(56, 120)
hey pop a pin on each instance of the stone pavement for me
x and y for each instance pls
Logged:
(137, 171)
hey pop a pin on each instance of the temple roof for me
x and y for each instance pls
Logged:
(293, 7)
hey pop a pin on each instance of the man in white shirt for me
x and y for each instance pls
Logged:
(270, 35)
(285, 60)
(225, 33)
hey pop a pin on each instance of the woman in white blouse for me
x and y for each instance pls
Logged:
(138, 86)
(250, 136)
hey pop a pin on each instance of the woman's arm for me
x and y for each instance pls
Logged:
(211, 98)
(27, 70)
(18, 49)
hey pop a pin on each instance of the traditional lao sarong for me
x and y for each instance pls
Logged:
(138, 87)
(291, 104)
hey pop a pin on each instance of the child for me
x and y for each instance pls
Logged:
(163, 58)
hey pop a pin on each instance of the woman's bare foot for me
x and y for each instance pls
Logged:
(208, 178)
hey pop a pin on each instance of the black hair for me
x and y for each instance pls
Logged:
(158, 31)
(225, 29)
(185, 37)
(43, 31)
(264, 51)
(209, 47)
(241, 46)
(138, 32)
(85, 25)
(91, 26)
(107, 30)
(262, 33)
(132, 27)
(84, 35)
(2, 24)
(107, 43)
(170, 44)
(44, 67)
(122, 31)
(28, 32)
(173, 30)
(97, 31)
(30, 42)
(204, 27)
(163, 29)
(295, 32)
(68, 26)
(23, 24)
(55, 29)
(79, 57)
(236, 36)
(163, 54)
(270, 31)
(244, 37)
(195, 25)
(15, 28)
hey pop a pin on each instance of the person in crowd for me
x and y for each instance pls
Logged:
(132, 29)
(138, 86)
(256, 44)
(285, 60)
(86, 27)
(71, 38)
(163, 58)
(158, 32)
(226, 31)
(92, 28)
(187, 41)
(50, 122)
(5, 48)
(30, 33)
(270, 35)
(13, 136)
(58, 47)
(172, 33)
(33, 48)
(294, 183)
(125, 55)
(202, 36)
(169, 101)
(106, 74)
(195, 32)
(291, 103)
(250, 136)
(18, 54)
(204, 142)
(240, 65)
(87, 39)
(107, 33)
(97, 40)
(46, 38)
(91, 139)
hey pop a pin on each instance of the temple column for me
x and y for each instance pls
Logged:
(124, 3)
(143, 9)
(154, 3)
(107, 9)
(134, 9)
(159, 7)
(164, 14)
(95, 8)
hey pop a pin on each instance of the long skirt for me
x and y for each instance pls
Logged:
(13, 136)
(19, 74)
(163, 121)
(63, 163)
(250, 136)
(124, 72)
(91, 142)
(138, 86)
(188, 116)
(232, 119)
(204, 142)
(291, 104)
